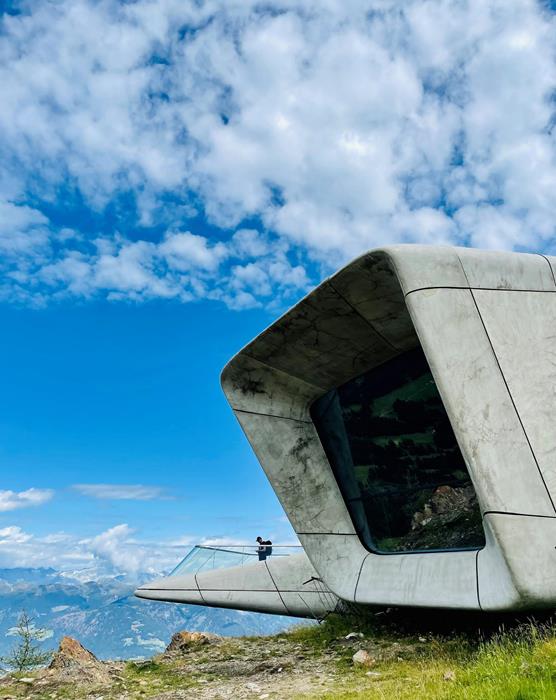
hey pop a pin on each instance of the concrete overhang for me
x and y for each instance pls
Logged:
(484, 322)
(281, 585)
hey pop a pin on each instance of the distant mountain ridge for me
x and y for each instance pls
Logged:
(105, 616)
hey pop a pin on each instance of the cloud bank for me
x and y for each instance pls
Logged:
(119, 549)
(121, 492)
(239, 151)
(114, 551)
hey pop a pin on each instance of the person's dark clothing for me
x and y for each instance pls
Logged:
(264, 550)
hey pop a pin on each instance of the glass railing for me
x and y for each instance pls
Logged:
(207, 557)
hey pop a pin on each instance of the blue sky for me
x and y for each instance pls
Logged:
(175, 175)
(126, 395)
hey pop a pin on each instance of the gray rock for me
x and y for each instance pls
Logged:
(363, 658)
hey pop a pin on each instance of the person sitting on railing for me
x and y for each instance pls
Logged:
(264, 549)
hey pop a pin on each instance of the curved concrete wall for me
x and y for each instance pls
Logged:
(484, 320)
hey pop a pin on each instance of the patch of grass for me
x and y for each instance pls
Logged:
(518, 664)
(320, 636)
(147, 678)
(141, 668)
(396, 625)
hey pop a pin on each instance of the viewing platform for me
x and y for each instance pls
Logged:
(209, 557)
(232, 576)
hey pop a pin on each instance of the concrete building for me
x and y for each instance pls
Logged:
(404, 414)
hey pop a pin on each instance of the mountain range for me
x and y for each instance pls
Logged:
(105, 617)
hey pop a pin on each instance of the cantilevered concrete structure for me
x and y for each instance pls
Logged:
(404, 413)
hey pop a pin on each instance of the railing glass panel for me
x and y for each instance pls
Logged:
(208, 558)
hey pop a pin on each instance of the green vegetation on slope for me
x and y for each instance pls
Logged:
(516, 663)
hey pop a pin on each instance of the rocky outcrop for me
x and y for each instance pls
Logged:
(184, 641)
(72, 660)
(445, 501)
(449, 519)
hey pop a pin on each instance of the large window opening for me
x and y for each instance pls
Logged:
(394, 454)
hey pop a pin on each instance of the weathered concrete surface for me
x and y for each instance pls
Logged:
(485, 322)
(526, 351)
(473, 388)
(287, 585)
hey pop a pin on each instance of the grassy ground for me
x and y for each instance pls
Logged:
(467, 660)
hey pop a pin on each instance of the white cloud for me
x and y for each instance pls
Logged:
(12, 500)
(39, 633)
(126, 271)
(336, 126)
(133, 492)
(182, 266)
(217, 542)
(13, 535)
(20, 228)
(113, 545)
(248, 243)
(184, 251)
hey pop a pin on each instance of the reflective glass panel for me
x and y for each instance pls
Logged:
(394, 454)
(207, 558)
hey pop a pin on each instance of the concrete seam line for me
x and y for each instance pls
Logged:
(480, 289)
(360, 315)
(477, 579)
(339, 534)
(272, 415)
(521, 515)
(509, 392)
(235, 590)
(198, 588)
(281, 371)
(359, 576)
(549, 266)
(276, 587)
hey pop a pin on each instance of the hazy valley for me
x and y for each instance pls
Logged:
(106, 617)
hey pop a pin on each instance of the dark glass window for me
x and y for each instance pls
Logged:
(391, 446)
